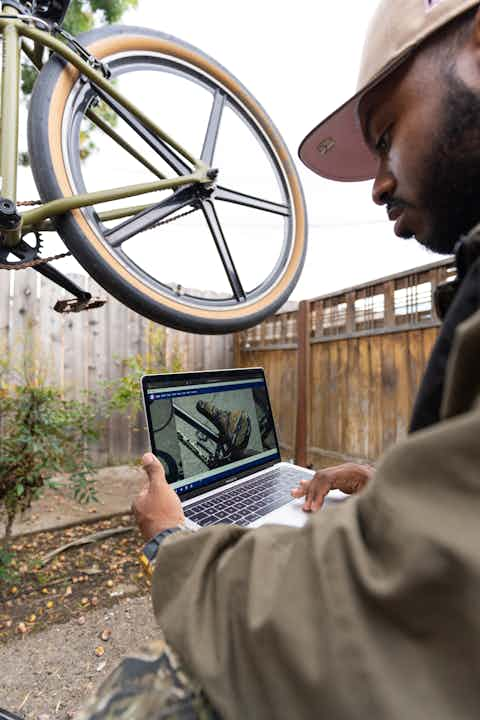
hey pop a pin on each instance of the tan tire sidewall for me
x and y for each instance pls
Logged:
(111, 45)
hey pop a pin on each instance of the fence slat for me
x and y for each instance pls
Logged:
(303, 375)
(4, 311)
(23, 333)
(51, 331)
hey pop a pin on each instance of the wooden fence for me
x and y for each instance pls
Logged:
(83, 351)
(343, 369)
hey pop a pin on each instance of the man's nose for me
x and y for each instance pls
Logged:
(384, 186)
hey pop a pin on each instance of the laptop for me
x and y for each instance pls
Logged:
(215, 435)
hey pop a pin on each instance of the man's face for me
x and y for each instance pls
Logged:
(423, 123)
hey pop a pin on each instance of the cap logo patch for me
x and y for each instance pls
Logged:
(326, 145)
(430, 4)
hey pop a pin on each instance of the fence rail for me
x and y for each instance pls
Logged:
(344, 368)
(82, 351)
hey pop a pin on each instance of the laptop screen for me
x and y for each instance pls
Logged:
(211, 427)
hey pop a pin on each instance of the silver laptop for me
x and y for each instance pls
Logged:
(215, 435)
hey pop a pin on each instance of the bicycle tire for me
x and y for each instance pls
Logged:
(46, 124)
(170, 465)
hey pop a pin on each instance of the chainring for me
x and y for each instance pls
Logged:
(23, 251)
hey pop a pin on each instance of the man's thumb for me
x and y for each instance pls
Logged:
(154, 469)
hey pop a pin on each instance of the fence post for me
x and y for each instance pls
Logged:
(389, 292)
(350, 312)
(303, 384)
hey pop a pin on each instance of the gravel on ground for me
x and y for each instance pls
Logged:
(48, 675)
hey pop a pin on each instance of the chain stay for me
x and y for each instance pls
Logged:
(42, 261)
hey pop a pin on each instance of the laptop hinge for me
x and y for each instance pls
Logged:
(226, 481)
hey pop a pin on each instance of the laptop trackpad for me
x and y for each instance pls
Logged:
(291, 514)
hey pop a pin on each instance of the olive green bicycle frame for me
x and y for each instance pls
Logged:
(14, 31)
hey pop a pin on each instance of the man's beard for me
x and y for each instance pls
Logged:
(452, 188)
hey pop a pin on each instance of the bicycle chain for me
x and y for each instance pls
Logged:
(42, 261)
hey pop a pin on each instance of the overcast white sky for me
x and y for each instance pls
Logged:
(300, 60)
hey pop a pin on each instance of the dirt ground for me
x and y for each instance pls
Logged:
(116, 487)
(47, 671)
(54, 576)
(50, 674)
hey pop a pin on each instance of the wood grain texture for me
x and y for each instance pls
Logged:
(80, 352)
(361, 391)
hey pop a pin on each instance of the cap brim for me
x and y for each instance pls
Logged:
(336, 149)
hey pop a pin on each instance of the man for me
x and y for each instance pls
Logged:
(371, 609)
(428, 184)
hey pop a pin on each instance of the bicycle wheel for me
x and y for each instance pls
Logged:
(239, 254)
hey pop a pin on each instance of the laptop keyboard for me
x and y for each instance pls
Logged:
(248, 501)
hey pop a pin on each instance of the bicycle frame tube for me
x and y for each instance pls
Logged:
(10, 109)
(13, 30)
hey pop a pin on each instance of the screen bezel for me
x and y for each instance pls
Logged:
(164, 380)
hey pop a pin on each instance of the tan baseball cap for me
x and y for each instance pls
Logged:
(336, 148)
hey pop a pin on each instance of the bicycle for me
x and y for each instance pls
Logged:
(105, 79)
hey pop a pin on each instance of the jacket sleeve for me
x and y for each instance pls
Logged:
(341, 614)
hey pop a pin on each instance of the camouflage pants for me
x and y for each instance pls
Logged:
(149, 684)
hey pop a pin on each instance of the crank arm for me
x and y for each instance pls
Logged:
(63, 281)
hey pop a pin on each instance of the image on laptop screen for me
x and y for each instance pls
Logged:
(204, 432)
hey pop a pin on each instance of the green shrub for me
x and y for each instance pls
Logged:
(124, 392)
(41, 435)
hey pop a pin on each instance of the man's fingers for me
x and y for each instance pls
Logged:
(301, 490)
(316, 491)
(154, 469)
(311, 493)
(317, 502)
(307, 505)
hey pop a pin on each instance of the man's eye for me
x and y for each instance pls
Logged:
(383, 145)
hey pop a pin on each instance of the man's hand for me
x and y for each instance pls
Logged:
(350, 478)
(157, 506)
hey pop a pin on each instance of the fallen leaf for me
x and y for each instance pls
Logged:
(105, 635)
(45, 591)
(14, 590)
(68, 591)
(109, 583)
(99, 651)
(81, 620)
(22, 628)
(84, 601)
(101, 665)
(50, 604)
(32, 618)
(94, 570)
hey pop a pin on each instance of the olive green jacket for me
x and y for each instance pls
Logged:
(371, 611)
